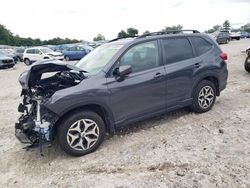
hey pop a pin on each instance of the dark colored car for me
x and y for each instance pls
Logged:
(75, 53)
(223, 38)
(9, 53)
(5, 61)
(247, 61)
(19, 53)
(118, 83)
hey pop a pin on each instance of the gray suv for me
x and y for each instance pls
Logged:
(118, 83)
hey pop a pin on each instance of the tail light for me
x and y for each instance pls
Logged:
(223, 56)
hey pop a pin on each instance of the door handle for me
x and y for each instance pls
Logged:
(158, 75)
(197, 65)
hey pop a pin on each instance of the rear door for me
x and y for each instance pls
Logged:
(180, 65)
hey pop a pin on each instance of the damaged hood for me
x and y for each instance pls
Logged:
(28, 78)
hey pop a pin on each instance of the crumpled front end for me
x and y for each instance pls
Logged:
(35, 125)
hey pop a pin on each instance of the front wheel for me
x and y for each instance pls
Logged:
(247, 64)
(81, 133)
(204, 96)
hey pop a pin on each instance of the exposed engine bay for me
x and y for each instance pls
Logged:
(35, 124)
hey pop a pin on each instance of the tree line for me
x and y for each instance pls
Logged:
(7, 38)
(226, 26)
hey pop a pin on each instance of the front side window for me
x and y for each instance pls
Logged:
(177, 49)
(37, 51)
(142, 57)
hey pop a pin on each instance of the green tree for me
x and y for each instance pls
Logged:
(246, 27)
(7, 38)
(132, 32)
(146, 32)
(5, 35)
(99, 37)
(174, 27)
(215, 28)
(122, 34)
(226, 25)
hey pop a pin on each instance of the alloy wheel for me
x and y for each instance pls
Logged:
(206, 97)
(83, 134)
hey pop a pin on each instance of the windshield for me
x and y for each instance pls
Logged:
(98, 58)
(46, 50)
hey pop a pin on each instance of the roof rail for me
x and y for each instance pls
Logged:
(166, 32)
(122, 38)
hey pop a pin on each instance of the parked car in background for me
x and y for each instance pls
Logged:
(31, 55)
(9, 53)
(86, 47)
(62, 47)
(235, 34)
(6, 61)
(75, 53)
(244, 34)
(223, 38)
(119, 83)
(19, 53)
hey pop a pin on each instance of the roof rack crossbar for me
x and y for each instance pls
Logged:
(167, 32)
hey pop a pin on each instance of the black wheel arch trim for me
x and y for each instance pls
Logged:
(108, 115)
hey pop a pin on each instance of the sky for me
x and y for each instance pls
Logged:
(83, 20)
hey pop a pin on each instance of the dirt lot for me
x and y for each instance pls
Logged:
(180, 149)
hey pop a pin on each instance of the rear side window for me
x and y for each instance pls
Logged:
(201, 45)
(30, 51)
(177, 49)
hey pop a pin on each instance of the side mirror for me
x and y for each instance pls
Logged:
(123, 70)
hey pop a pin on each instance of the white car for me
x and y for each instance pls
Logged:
(235, 34)
(31, 55)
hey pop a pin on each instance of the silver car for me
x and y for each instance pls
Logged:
(6, 61)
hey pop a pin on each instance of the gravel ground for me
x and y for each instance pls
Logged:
(179, 149)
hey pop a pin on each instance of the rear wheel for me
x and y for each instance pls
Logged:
(247, 64)
(81, 133)
(204, 96)
(27, 61)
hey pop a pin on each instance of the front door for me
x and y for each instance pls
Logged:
(142, 92)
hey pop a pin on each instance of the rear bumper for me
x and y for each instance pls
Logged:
(223, 79)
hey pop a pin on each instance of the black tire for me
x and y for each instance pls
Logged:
(247, 64)
(197, 97)
(71, 122)
(27, 61)
(67, 58)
